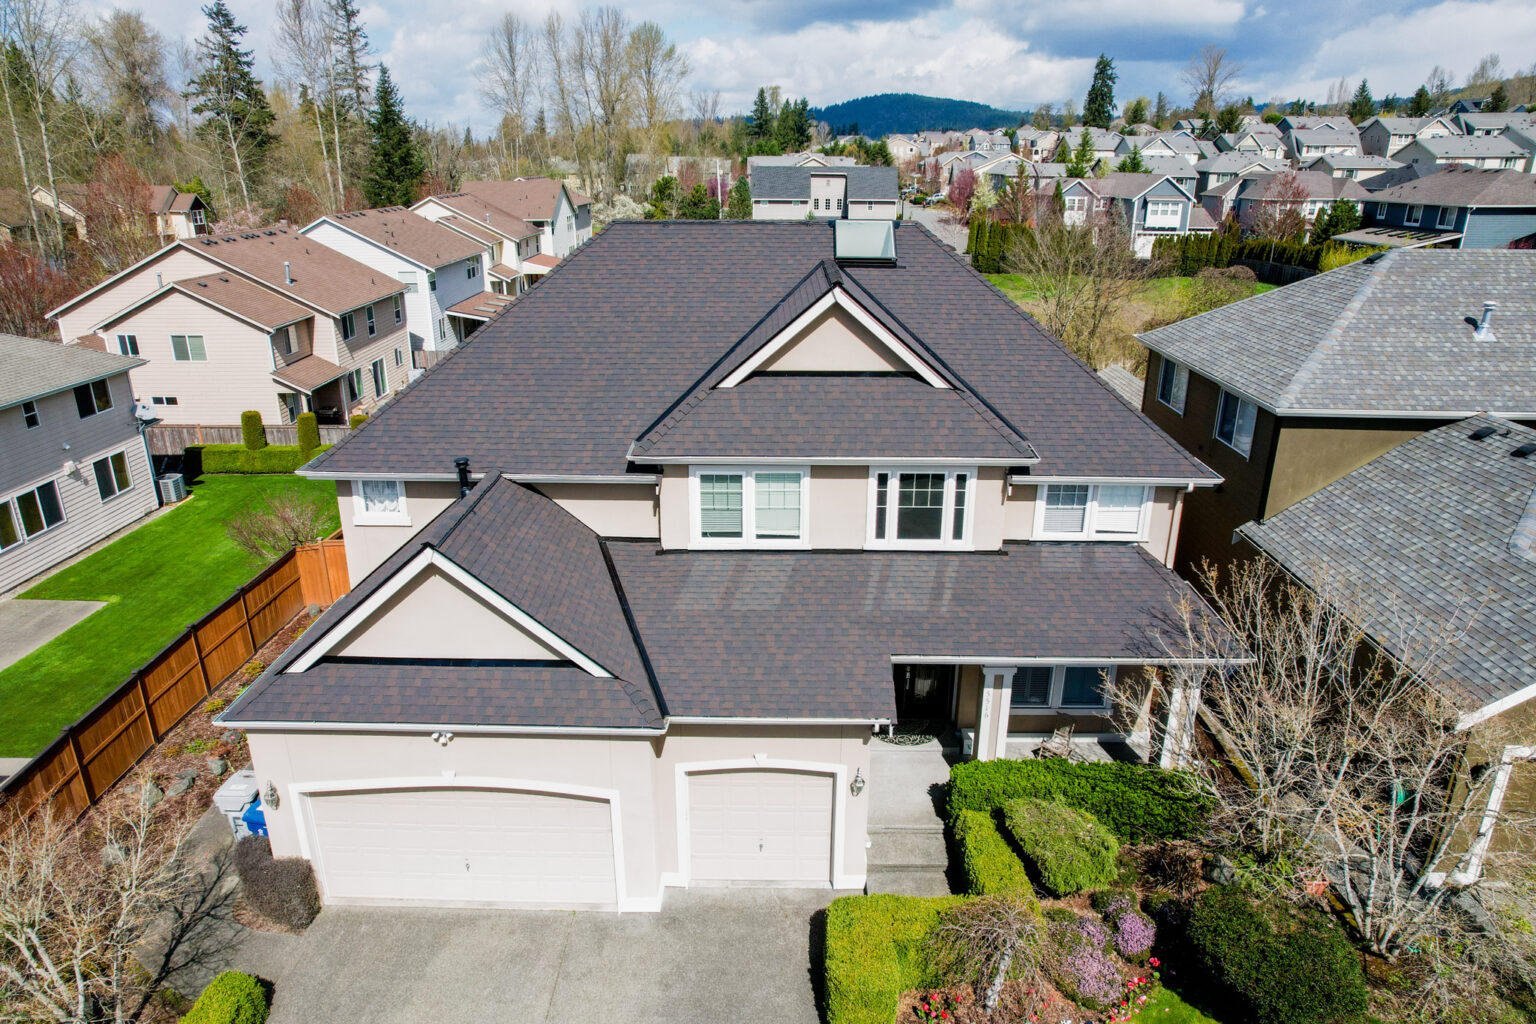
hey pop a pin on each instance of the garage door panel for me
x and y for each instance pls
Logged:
(472, 846)
(760, 825)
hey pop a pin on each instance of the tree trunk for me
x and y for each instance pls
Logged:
(995, 988)
(21, 158)
(234, 148)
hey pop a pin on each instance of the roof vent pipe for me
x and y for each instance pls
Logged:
(287, 272)
(1484, 326)
(462, 465)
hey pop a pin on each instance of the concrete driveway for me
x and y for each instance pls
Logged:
(711, 955)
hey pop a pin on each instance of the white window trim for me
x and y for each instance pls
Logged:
(379, 375)
(1412, 215)
(946, 541)
(748, 538)
(1179, 369)
(1440, 219)
(14, 497)
(36, 414)
(1058, 686)
(1090, 514)
(362, 517)
(127, 468)
(373, 327)
(1216, 426)
(399, 312)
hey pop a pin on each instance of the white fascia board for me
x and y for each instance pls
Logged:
(323, 474)
(986, 659)
(1188, 483)
(818, 460)
(1498, 707)
(650, 479)
(399, 728)
(717, 720)
(109, 282)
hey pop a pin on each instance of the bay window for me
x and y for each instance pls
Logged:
(379, 503)
(1060, 687)
(921, 508)
(742, 507)
(1083, 511)
(1234, 423)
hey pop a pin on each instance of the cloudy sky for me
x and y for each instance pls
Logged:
(1011, 53)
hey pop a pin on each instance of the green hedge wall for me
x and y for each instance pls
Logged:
(874, 953)
(236, 458)
(989, 244)
(308, 430)
(231, 998)
(1065, 848)
(1137, 803)
(991, 867)
(1187, 255)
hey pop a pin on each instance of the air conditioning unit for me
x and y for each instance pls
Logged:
(172, 488)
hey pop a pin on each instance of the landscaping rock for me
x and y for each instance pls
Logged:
(217, 766)
(232, 737)
(182, 784)
(1219, 870)
(151, 794)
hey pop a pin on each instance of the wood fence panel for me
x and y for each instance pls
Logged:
(113, 741)
(174, 683)
(224, 642)
(336, 571)
(171, 439)
(51, 775)
(272, 600)
(323, 571)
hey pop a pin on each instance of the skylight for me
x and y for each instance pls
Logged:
(864, 241)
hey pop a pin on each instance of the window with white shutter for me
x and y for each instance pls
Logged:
(741, 507)
(1091, 512)
(720, 505)
(1066, 508)
(1118, 510)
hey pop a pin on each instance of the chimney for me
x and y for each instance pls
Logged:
(462, 465)
(1484, 326)
(287, 272)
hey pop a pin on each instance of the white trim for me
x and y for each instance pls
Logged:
(748, 538)
(748, 720)
(430, 558)
(1498, 707)
(423, 728)
(397, 253)
(977, 659)
(300, 793)
(837, 877)
(360, 515)
(825, 460)
(837, 296)
(945, 541)
(54, 313)
(1471, 867)
(1016, 480)
(206, 300)
(1090, 531)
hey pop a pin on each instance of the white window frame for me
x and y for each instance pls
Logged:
(431, 281)
(1237, 418)
(348, 326)
(399, 356)
(1058, 688)
(748, 538)
(1162, 213)
(13, 502)
(31, 418)
(408, 278)
(399, 315)
(1090, 530)
(128, 344)
(1412, 215)
(283, 338)
(187, 341)
(197, 216)
(472, 270)
(1440, 219)
(354, 379)
(1180, 384)
(373, 327)
(96, 407)
(946, 541)
(361, 516)
(112, 472)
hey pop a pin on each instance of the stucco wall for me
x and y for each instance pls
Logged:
(367, 546)
(839, 504)
(610, 510)
(835, 342)
(433, 616)
(1311, 454)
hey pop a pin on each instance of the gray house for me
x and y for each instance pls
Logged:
(1150, 206)
(843, 193)
(74, 468)
(1385, 136)
(1489, 152)
(1459, 207)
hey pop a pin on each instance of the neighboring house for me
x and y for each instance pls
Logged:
(1386, 136)
(1307, 122)
(16, 214)
(1104, 144)
(268, 320)
(1149, 205)
(1176, 167)
(1489, 152)
(988, 140)
(1439, 534)
(75, 467)
(1524, 136)
(1470, 106)
(905, 148)
(1002, 171)
(443, 271)
(1036, 144)
(1478, 123)
(947, 165)
(1459, 207)
(1305, 144)
(751, 526)
(1260, 141)
(516, 262)
(1239, 196)
(562, 215)
(1163, 144)
(1285, 392)
(855, 193)
(178, 214)
(1225, 167)
(807, 159)
(1352, 166)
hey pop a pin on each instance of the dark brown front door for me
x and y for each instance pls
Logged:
(924, 692)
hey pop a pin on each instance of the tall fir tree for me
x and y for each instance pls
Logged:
(352, 50)
(1099, 107)
(740, 205)
(1133, 163)
(763, 117)
(792, 130)
(1081, 164)
(237, 119)
(1160, 112)
(1362, 107)
(395, 166)
(1498, 100)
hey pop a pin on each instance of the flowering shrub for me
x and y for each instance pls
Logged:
(1134, 935)
(1087, 976)
(935, 1006)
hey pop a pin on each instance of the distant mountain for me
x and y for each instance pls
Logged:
(908, 112)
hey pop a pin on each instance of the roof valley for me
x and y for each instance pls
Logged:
(1329, 343)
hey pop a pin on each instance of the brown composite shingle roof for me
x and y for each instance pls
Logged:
(483, 213)
(307, 373)
(243, 298)
(472, 229)
(409, 234)
(527, 198)
(322, 277)
(482, 306)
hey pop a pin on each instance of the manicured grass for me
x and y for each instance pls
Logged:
(1167, 1008)
(155, 580)
(1159, 290)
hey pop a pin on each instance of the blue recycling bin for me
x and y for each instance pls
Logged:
(255, 819)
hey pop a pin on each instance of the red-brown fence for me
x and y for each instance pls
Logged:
(172, 439)
(90, 756)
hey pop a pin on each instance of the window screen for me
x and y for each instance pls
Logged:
(720, 504)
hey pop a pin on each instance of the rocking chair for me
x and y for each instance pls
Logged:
(1059, 744)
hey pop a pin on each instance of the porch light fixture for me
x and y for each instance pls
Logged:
(857, 785)
(442, 739)
(269, 796)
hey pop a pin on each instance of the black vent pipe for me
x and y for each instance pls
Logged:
(462, 465)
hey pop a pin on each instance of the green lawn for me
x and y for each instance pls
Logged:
(1167, 1008)
(1157, 291)
(155, 581)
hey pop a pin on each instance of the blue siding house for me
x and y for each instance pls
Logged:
(1458, 207)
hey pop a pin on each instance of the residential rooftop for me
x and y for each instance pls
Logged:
(35, 368)
(1465, 186)
(408, 234)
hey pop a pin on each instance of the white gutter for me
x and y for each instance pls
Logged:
(650, 479)
(395, 727)
(978, 659)
(1145, 481)
(707, 720)
(824, 460)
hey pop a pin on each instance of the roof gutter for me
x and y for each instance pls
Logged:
(1188, 483)
(137, 362)
(982, 659)
(650, 479)
(826, 460)
(465, 730)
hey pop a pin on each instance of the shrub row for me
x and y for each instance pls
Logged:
(237, 458)
(1137, 803)
(231, 998)
(1186, 255)
(1065, 849)
(874, 953)
(281, 890)
(990, 242)
(991, 867)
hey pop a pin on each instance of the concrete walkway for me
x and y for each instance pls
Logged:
(27, 625)
(907, 850)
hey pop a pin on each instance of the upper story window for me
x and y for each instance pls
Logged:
(1173, 385)
(1413, 215)
(93, 398)
(29, 415)
(282, 338)
(921, 508)
(1163, 212)
(408, 278)
(431, 281)
(1447, 217)
(198, 216)
(1234, 423)
(473, 269)
(1077, 204)
(128, 344)
(373, 328)
(379, 503)
(399, 315)
(742, 507)
(348, 326)
(1060, 686)
(1381, 211)
(1091, 512)
(188, 348)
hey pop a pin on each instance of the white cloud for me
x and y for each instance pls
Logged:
(1092, 16)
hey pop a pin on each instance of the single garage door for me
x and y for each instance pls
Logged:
(760, 825)
(463, 846)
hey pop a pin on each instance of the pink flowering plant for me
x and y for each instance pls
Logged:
(935, 1006)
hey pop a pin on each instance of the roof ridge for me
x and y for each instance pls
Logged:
(1329, 342)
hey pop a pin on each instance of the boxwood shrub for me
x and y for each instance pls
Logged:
(1273, 965)
(1065, 849)
(307, 427)
(237, 458)
(874, 952)
(231, 998)
(1138, 803)
(251, 430)
(991, 866)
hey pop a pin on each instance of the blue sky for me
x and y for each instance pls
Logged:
(1011, 53)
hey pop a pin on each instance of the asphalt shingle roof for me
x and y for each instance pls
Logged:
(1448, 147)
(864, 183)
(1423, 534)
(1381, 335)
(34, 368)
(1465, 186)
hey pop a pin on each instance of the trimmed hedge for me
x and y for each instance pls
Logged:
(236, 458)
(280, 889)
(1138, 803)
(251, 430)
(308, 428)
(991, 241)
(991, 866)
(1186, 255)
(1273, 966)
(1065, 849)
(874, 953)
(231, 998)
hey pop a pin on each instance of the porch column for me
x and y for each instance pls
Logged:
(992, 722)
(1179, 731)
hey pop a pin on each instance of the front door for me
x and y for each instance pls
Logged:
(924, 692)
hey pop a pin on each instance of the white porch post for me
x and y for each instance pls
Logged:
(1179, 731)
(992, 723)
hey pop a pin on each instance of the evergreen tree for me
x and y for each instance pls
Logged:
(1133, 163)
(1099, 107)
(1081, 164)
(1319, 233)
(1229, 121)
(792, 131)
(1362, 107)
(1136, 111)
(1160, 113)
(1498, 100)
(699, 205)
(236, 117)
(352, 51)
(395, 166)
(1059, 199)
(761, 125)
(1064, 152)
(740, 205)
(1343, 217)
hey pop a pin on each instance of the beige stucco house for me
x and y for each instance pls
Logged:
(631, 605)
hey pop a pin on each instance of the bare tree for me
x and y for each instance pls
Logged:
(1489, 71)
(306, 53)
(507, 77)
(130, 58)
(1208, 76)
(658, 71)
(1279, 212)
(1439, 84)
(45, 34)
(988, 940)
(277, 522)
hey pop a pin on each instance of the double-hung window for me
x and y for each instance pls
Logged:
(348, 326)
(188, 348)
(1234, 423)
(1413, 216)
(112, 477)
(921, 508)
(1091, 512)
(742, 507)
(29, 415)
(128, 344)
(408, 278)
(1066, 687)
(93, 398)
(472, 269)
(372, 327)
(380, 382)
(431, 281)
(29, 514)
(1173, 385)
(379, 503)
(1447, 217)
(399, 315)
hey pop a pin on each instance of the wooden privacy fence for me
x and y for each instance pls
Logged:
(94, 753)
(166, 439)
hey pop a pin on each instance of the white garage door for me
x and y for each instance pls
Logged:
(760, 826)
(463, 846)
